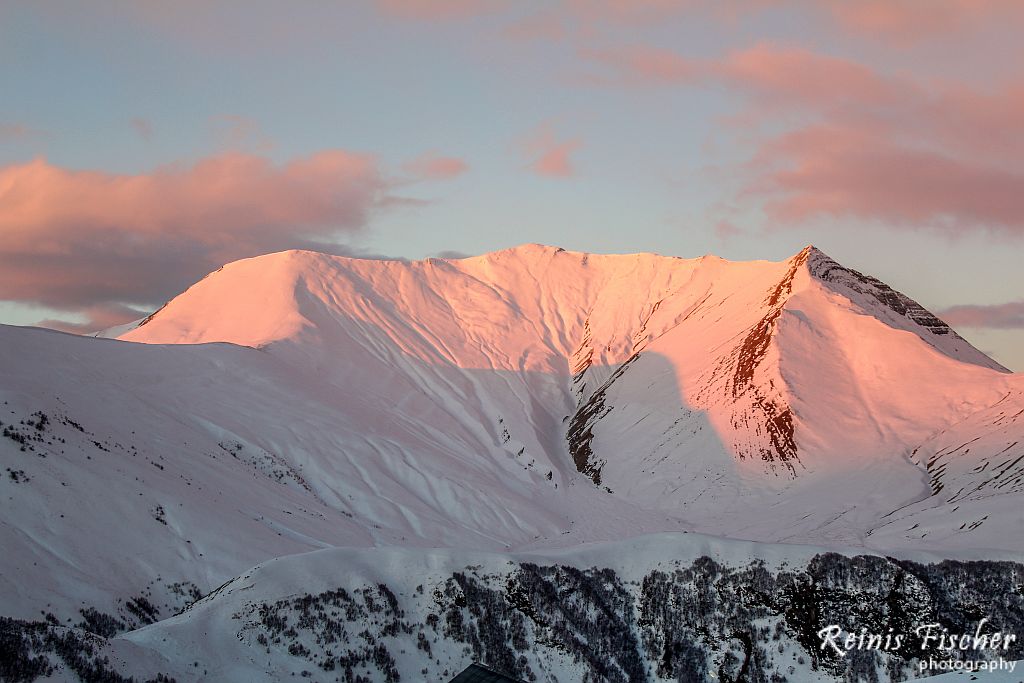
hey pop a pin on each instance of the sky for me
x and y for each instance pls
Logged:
(144, 144)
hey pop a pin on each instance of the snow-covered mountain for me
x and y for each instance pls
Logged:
(521, 401)
(725, 389)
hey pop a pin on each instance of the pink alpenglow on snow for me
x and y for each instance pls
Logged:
(732, 348)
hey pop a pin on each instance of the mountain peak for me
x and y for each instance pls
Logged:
(278, 296)
(811, 253)
(891, 306)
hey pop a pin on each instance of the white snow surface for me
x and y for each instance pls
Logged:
(488, 358)
(300, 401)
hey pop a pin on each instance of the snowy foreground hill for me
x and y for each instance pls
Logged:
(568, 466)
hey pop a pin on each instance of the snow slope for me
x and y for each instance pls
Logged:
(527, 399)
(721, 388)
(193, 463)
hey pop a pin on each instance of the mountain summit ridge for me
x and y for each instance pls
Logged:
(291, 265)
(756, 376)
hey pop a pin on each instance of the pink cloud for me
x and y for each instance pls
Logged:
(542, 23)
(938, 155)
(888, 149)
(616, 13)
(548, 26)
(642, 65)
(727, 230)
(901, 21)
(958, 118)
(555, 160)
(914, 20)
(803, 77)
(583, 20)
(630, 11)
(75, 239)
(551, 156)
(796, 74)
(843, 172)
(1000, 316)
(431, 10)
(432, 166)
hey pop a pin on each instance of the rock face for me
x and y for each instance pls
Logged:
(529, 398)
(827, 270)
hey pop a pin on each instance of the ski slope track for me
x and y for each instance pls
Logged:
(526, 403)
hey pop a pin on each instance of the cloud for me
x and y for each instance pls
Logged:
(643, 65)
(452, 254)
(554, 160)
(80, 239)
(843, 172)
(803, 78)
(858, 143)
(960, 119)
(551, 156)
(900, 21)
(96, 318)
(591, 16)
(19, 131)
(143, 127)
(547, 25)
(435, 10)
(432, 166)
(1000, 316)
(939, 156)
(764, 69)
(594, 16)
(727, 230)
(239, 133)
(551, 20)
(228, 29)
(911, 21)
